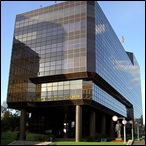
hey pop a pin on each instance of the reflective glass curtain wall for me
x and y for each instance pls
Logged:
(114, 65)
(56, 36)
(71, 37)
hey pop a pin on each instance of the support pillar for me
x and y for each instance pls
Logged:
(103, 125)
(22, 124)
(92, 124)
(78, 115)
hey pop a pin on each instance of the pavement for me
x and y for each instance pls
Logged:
(23, 142)
(141, 142)
(129, 142)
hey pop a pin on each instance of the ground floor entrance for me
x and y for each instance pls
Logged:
(76, 121)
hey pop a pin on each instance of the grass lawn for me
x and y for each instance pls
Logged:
(8, 137)
(88, 143)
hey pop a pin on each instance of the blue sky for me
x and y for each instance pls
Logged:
(126, 17)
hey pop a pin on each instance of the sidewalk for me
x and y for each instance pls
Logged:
(142, 142)
(19, 142)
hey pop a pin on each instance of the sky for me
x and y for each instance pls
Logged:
(126, 17)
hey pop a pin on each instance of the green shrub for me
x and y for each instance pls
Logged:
(38, 137)
(110, 138)
(97, 139)
(88, 139)
(8, 137)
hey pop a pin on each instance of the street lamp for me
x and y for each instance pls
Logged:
(137, 125)
(131, 122)
(124, 122)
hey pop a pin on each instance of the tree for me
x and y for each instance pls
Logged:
(10, 119)
(4, 107)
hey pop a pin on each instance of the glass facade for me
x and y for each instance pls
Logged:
(61, 90)
(56, 36)
(107, 100)
(59, 38)
(115, 66)
(67, 38)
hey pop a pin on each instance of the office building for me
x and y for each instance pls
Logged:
(70, 72)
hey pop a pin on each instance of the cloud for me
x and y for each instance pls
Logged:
(129, 68)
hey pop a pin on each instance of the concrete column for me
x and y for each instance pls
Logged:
(103, 125)
(78, 115)
(22, 124)
(92, 124)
